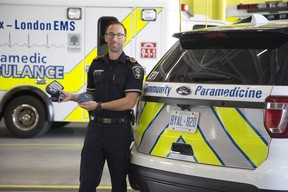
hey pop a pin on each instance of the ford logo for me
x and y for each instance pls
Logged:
(183, 90)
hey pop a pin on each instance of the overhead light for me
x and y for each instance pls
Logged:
(186, 9)
(149, 14)
(74, 13)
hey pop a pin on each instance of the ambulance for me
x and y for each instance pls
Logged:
(43, 41)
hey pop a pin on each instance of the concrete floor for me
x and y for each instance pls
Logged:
(48, 163)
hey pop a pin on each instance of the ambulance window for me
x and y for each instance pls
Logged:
(101, 44)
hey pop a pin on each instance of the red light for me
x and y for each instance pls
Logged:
(273, 118)
(246, 6)
(252, 6)
(184, 7)
(276, 117)
(241, 6)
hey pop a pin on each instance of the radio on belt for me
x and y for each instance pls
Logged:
(53, 90)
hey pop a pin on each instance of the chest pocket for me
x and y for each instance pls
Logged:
(98, 80)
(118, 85)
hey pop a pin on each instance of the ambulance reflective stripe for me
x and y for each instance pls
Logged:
(136, 27)
(224, 136)
(248, 141)
(128, 22)
(76, 86)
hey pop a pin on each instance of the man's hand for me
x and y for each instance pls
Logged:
(65, 96)
(89, 105)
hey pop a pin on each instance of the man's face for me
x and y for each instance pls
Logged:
(115, 38)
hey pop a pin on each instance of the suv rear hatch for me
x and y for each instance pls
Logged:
(209, 99)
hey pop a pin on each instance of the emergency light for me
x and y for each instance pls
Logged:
(148, 14)
(186, 9)
(74, 13)
(272, 7)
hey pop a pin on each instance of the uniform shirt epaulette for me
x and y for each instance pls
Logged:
(99, 57)
(132, 60)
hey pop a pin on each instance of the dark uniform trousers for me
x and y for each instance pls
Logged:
(110, 142)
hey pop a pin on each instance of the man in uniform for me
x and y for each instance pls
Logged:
(115, 82)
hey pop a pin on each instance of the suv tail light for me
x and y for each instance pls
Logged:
(276, 116)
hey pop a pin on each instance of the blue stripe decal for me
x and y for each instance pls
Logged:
(158, 139)
(206, 141)
(254, 129)
(140, 113)
(229, 136)
(150, 125)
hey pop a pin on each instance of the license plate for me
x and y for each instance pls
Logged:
(186, 121)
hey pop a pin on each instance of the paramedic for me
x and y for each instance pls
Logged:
(115, 81)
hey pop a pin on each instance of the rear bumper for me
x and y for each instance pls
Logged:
(150, 173)
(150, 180)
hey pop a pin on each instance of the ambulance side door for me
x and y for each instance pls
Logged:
(94, 30)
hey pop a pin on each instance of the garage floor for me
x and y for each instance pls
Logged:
(48, 163)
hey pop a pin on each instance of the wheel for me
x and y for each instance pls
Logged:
(26, 117)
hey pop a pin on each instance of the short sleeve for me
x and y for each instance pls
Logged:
(135, 78)
(90, 82)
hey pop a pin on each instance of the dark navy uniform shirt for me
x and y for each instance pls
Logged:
(110, 80)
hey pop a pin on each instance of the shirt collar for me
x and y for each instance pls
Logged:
(122, 58)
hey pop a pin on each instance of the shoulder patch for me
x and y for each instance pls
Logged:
(137, 71)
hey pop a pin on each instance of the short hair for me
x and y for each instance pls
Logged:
(115, 22)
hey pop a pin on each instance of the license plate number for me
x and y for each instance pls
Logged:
(186, 121)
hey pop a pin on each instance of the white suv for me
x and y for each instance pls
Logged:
(214, 113)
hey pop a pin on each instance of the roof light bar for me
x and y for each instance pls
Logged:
(272, 7)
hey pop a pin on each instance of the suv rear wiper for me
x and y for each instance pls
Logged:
(202, 76)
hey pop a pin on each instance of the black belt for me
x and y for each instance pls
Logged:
(108, 120)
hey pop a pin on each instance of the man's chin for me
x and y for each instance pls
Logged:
(115, 50)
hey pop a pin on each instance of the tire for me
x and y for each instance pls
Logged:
(26, 117)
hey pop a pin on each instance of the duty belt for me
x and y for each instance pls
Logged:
(108, 120)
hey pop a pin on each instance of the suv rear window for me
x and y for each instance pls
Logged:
(223, 66)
